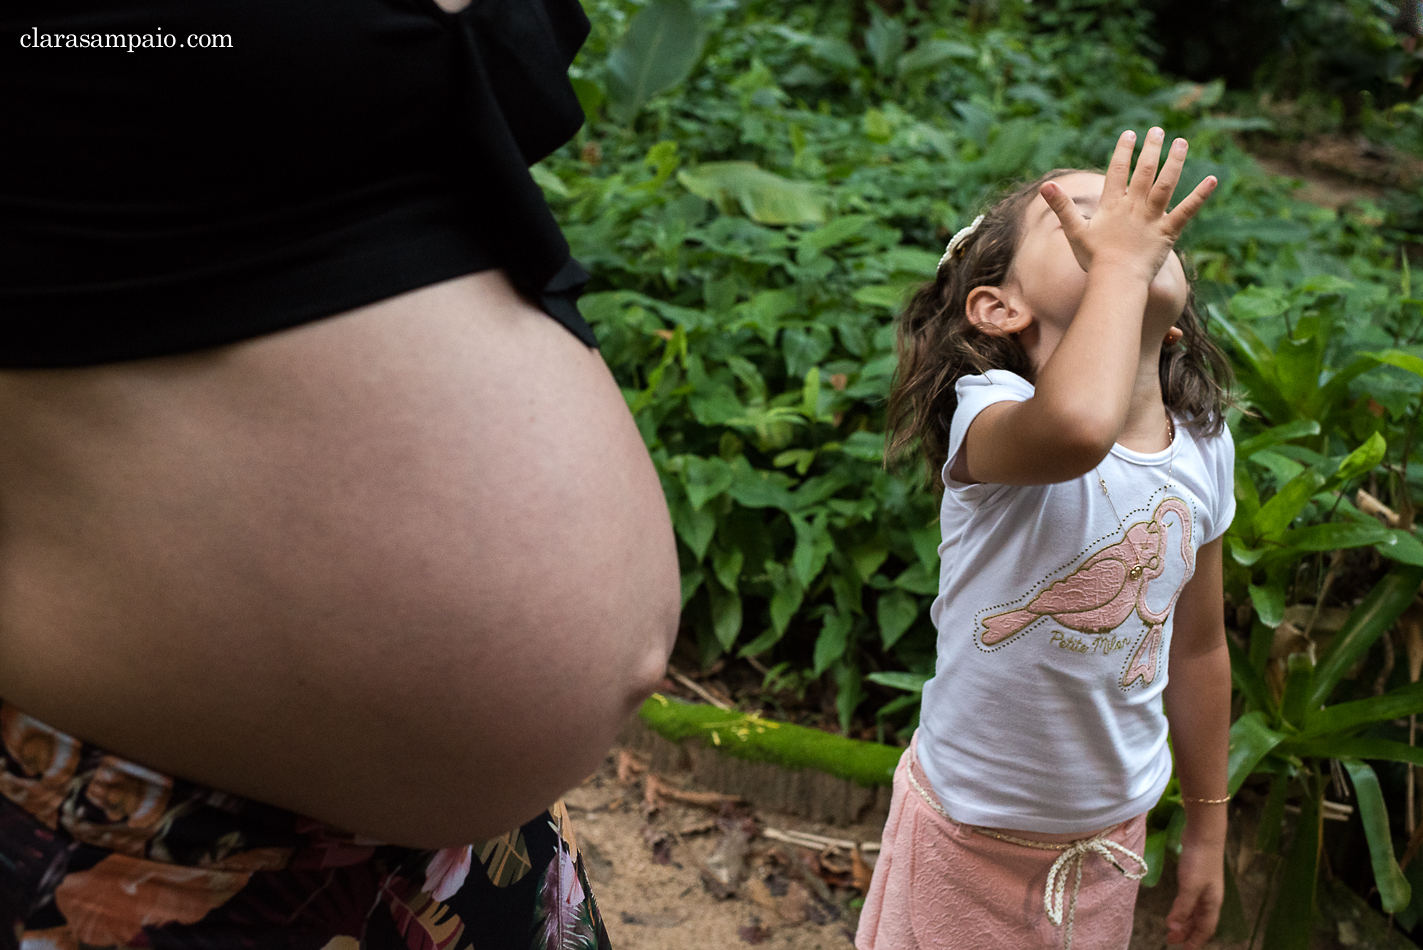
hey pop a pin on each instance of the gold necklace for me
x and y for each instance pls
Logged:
(1170, 468)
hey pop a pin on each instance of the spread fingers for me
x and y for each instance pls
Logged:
(1182, 214)
(1170, 174)
(1146, 163)
(1119, 168)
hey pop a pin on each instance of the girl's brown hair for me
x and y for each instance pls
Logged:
(937, 344)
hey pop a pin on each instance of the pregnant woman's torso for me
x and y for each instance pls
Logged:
(400, 569)
(405, 568)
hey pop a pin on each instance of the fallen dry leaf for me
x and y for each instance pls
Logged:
(660, 844)
(653, 920)
(861, 872)
(833, 863)
(697, 827)
(794, 907)
(760, 894)
(725, 868)
(754, 933)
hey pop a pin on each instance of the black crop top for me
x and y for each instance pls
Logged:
(256, 164)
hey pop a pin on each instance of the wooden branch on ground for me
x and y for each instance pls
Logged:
(658, 787)
(697, 688)
(805, 839)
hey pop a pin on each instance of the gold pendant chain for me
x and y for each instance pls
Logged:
(1170, 469)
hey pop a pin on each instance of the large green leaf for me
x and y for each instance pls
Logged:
(1361, 461)
(1335, 536)
(1298, 679)
(764, 197)
(812, 548)
(1276, 514)
(1292, 918)
(1342, 748)
(1269, 602)
(896, 611)
(909, 682)
(659, 50)
(705, 478)
(1394, 892)
(1366, 623)
(726, 614)
(1405, 361)
(1251, 739)
(885, 39)
(1155, 855)
(1276, 435)
(1403, 547)
(789, 595)
(694, 526)
(1247, 679)
(834, 638)
(1346, 717)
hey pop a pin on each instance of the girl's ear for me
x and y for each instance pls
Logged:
(992, 311)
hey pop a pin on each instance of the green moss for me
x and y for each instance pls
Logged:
(761, 740)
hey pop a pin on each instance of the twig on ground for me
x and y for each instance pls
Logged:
(658, 788)
(697, 688)
(807, 840)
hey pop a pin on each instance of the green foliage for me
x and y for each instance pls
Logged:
(752, 235)
(1286, 737)
(752, 232)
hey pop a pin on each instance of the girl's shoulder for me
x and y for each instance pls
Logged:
(1212, 438)
(993, 385)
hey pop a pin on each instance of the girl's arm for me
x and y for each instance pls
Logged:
(1197, 700)
(1084, 388)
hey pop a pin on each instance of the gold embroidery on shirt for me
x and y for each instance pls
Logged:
(1100, 595)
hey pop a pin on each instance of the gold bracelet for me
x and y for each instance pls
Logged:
(1206, 801)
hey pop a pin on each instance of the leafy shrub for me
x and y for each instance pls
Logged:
(752, 235)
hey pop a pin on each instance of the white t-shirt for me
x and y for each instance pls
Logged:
(1054, 619)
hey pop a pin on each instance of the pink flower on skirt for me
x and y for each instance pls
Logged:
(445, 873)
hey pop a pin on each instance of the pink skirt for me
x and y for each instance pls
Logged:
(942, 885)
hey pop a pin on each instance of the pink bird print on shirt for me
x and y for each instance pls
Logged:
(1109, 586)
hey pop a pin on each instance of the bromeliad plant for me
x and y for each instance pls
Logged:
(751, 236)
(1286, 340)
(1291, 738)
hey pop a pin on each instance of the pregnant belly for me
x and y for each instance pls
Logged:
(406, 570)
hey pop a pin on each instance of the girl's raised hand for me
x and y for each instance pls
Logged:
(1131, 226)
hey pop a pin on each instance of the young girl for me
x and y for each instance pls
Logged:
(1057, 380)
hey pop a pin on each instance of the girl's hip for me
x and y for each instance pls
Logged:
(944, 885)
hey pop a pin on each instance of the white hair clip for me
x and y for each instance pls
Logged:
(957, 240)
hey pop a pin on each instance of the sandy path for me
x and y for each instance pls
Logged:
(666, 906)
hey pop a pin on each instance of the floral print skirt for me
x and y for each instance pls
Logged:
(97, 851)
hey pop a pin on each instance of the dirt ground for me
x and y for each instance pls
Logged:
(654, 876)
